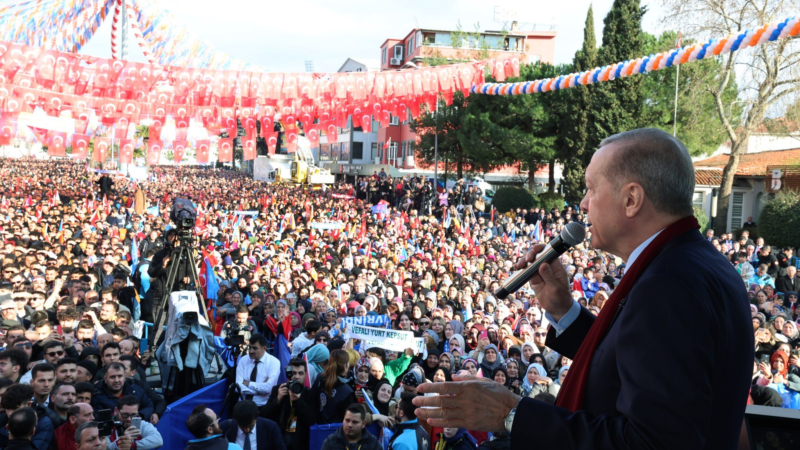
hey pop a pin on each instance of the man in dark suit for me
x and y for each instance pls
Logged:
(249, 431)
(293, 413)
(789, 282)
(667, 364)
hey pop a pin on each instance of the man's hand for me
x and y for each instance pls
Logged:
(294, 397)
(246, 382)
(550, 284)
(124, 442)
(132, 432)
(154, 419)
(454, 407)
(283, 390)
(165, 261)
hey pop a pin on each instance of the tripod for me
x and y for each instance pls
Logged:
(181, 266)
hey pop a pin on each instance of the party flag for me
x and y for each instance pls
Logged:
(134, 255)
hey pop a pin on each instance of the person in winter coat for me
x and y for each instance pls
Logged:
(113, 386)
(331, 394)
(456, 439)
(536, 382)
(353, 433)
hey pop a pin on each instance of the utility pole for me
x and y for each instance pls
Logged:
(436, 150)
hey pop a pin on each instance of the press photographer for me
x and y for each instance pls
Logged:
(288, 406)
(238, 329)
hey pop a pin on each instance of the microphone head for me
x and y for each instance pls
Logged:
(573, 234)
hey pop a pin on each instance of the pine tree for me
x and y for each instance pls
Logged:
(617, 105)
(576, 138)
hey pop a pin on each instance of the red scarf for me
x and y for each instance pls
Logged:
(574, 388)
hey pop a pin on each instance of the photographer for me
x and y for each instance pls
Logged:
(238, 327)
(288, 406)
(144, 438)
(157, 270)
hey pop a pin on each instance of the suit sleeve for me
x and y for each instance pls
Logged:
(275, 437)
(569, 341)
(665, 345)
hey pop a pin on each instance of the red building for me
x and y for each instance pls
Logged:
(418, 44)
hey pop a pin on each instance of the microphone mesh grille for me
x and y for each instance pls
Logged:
(573, 234)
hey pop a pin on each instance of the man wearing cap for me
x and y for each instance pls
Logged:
(8, 312)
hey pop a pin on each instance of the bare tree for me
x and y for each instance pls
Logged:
(768, 75)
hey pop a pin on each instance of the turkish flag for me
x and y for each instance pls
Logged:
(40, 133)
(267, 126)
(121, 131)
(225, 150)
(291, 140)
(366, 122)
(126, 147)
(80, 146)
(56, 143)
(230, 125)
(101, 148)
(181, 133)
(203, 151)
(249, 147)
(154, 131)
(313, 136)
(178, 148)
(154, 151)
(272, 142)
(8, 129)
(330, 132)
(249, 124)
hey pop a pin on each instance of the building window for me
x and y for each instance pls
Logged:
(410, 47)
(374, 153)
(697, 199)
(736, 210)
(398, 51)
(394, 120)
(358, 150)
(383, 55)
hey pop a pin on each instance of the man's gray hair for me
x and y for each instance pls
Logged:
(80, 429)
(657, 161)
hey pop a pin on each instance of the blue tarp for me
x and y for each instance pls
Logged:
(172, 425)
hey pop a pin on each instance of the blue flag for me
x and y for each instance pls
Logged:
(153, 211)
(134, 255)
(212, 284)
(283, 354)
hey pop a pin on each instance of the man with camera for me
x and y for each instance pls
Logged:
(87, 437)
(158, 275)
(239, 329)
(143, 434)
(288, 407)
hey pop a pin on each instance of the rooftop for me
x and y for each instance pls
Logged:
(750, 164)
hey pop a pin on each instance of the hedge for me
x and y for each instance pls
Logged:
(701, 217)
(549, 201)
(779, 222)
(508, 198)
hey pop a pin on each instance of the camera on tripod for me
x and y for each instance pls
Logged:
(106, 423)
(294, 386)
(184, 216)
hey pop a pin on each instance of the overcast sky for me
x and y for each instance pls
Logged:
(281, 35)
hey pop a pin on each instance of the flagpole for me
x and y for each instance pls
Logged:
(677, 82)
(436, 151)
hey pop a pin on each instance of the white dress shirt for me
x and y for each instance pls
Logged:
(575, 310)
(267, 375)
(240, 435)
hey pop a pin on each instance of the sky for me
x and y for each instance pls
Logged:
(281, 35)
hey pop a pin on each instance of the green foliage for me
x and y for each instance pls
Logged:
(507, 130)
(448, 124)
(701, 217)
(549, 201)
(698, 123)
(779, 222)
(511, 197)
(753, 230)
(577, 138)
(618, 104)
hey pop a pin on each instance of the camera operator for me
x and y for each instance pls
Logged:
(288, 406)
(146, 438)
(87, 437)
(158, 275)
(239, 325)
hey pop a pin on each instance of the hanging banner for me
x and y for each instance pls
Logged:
(328, 226)
(387, 339)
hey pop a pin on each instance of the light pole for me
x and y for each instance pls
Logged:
(436, 150)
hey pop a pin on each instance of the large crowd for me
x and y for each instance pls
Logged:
(391, 250)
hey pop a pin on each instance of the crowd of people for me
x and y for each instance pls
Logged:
(295, 273)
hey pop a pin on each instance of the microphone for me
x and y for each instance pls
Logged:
(572, 235)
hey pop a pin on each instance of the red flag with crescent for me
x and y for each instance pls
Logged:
(154, 148)
(203, 148)
(80, 146)
(178, 148)
(101, 148)
(225, 150)
(126, 148)
(56, 143)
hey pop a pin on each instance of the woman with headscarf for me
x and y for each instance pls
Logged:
(512, 370)
(536, 382)
(490, 359)
(457, 341)
(787, 385)
(316, 356)
(471, 366)
(431, 363)
(330, 393)
(296, 324)
(446, 361)
(528, 350)
(441, 375)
